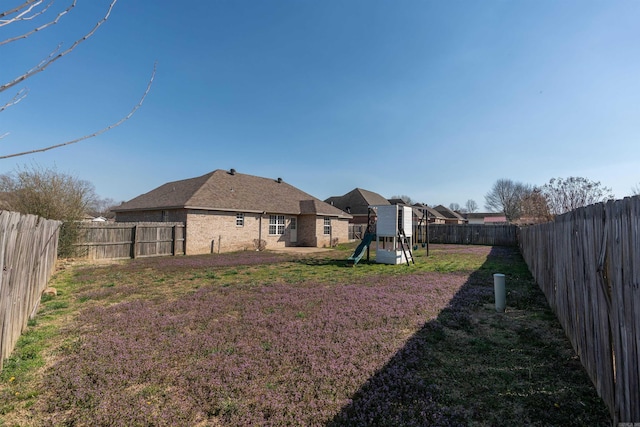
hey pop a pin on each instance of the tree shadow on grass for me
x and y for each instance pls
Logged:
(474, 366)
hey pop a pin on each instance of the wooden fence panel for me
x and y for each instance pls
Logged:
(587, 264)
(357, 231)
(98, 241)
(474, 234)
(463, 234)
(28, 250)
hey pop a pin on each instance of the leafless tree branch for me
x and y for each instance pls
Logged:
(21, 16)
(118, 123)
(18, 8)
(54, 57)
(41, 27)
(22, 94)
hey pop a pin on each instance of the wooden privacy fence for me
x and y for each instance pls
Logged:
(28, 250)
(587, 263)
(357, 231)
(474, 234)
(119, 240)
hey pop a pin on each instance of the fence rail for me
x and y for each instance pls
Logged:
(28, 251)
(587, 263)
(120, 240)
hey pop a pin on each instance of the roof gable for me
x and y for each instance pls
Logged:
(432, 213)
(357, 201)
(448, 213)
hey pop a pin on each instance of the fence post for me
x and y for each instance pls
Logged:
(134, 241)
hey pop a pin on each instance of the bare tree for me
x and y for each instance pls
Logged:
(454, 207)
(635, 190)
(534, 207)
(564, 195)
(102, 207)
(37, 16)
(471, 206)
(506, 196)
(52, 195)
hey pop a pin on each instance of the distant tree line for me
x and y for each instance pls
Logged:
(53, 195)
(520, 201)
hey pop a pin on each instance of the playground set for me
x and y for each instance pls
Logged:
(392, 232)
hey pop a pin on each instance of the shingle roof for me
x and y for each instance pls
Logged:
(432, 213)
(357, 201)
(397, 202)
(448, 213)
(231, 191)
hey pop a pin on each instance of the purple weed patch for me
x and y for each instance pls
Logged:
(194, 341)
(270, 355)
(214, 260)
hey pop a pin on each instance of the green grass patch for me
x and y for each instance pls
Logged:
(479, 367)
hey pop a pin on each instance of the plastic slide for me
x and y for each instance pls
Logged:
(361, 249)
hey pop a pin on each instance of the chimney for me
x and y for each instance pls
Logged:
(279, 180)
(232, 171)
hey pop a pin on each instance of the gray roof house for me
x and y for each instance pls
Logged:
(228, 211)
(451, 217)
(433, 216)
(356, 203)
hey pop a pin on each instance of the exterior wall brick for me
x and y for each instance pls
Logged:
(214, 232)
(339, 232)
(307, 230)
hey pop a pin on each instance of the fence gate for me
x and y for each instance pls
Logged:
(130, 240)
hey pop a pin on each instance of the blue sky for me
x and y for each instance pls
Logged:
(431, 99)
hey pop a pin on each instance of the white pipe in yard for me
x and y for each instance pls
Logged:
(499, 290)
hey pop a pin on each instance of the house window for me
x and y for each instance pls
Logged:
(276, 224)
(239, 220)
(327, 226)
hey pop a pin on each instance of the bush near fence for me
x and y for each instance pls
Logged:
(587, 263)
(118, 240)
(28, 251)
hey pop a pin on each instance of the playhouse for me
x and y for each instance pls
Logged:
(393, 234)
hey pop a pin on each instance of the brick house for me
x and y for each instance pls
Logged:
(451, 217)
(433, 216)
(486, 218)
(227, 211)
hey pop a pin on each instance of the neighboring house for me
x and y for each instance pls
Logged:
(91, 218)
(356, 203)
(433, 216)
(422, 215)
(495, 218)
(450, 216)
(227, 211)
